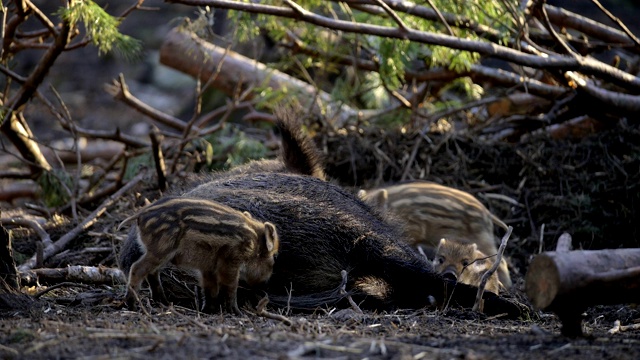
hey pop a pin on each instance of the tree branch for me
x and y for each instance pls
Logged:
(579, 63)
(120, 91)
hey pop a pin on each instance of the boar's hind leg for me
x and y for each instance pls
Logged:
(210, 288)
(157, 291)
(146, 265)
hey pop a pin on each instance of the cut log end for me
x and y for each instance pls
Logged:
(542, 281)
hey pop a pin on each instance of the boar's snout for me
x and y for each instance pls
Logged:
(449, 274)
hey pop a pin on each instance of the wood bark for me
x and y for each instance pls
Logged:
(568, 282)
(78, 274)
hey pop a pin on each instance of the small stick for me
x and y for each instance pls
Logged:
(483, 281)
(156, 139)
(564, 243)
(541, 242)
(61, 243)
(260, 311)
(343, 291)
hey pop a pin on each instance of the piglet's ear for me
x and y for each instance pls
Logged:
(474, 246)
(247, 214)
(271, 237)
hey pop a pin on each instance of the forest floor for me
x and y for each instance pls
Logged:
(48, 330)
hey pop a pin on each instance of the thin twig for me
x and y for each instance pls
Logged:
(555, 35)
(343, 291)
(393, 14)
(444, 21)
(261, 311)
(485, 277)
(617, 21)
(541, 239)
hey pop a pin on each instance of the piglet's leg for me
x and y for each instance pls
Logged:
(146, 265)
(228, 279)
(157, 291)
(211, 289)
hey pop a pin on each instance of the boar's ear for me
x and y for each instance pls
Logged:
(378, 200)
(474, 247)
(271, 237)
(362, 194)
(381, 200)
(440, 244)
(247, 214)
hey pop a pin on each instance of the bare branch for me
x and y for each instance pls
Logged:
(42, 17)
(44, 237)
(618, 22)
(120, 91)
(81, 274)
(564, 18)
(241, 72)
(488, 273)
(624, 103)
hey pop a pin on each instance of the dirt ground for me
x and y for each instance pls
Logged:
(47, 330)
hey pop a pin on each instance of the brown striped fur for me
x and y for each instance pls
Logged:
(223, 244)
(431, 212)
(464, 263)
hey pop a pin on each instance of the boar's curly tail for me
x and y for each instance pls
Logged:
(299, 154)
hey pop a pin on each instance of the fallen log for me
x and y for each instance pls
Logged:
(228, 71)
(77, 274)
(568, 282)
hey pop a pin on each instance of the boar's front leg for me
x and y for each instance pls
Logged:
(228, 279)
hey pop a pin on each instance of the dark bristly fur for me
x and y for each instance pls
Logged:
(323, 230)
(295, 144)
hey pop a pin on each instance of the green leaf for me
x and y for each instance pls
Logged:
(52, 187)
(102, 28)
